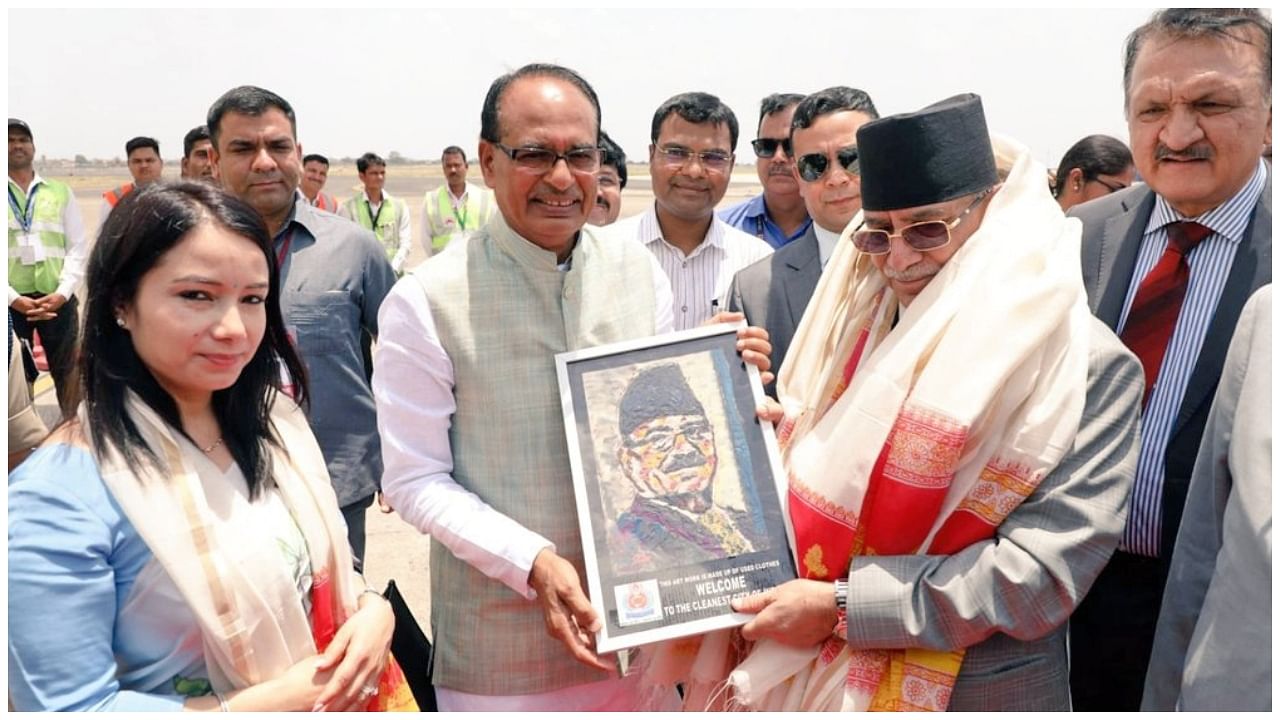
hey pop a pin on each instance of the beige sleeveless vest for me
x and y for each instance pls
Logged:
(503, 310)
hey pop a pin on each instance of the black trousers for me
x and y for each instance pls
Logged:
(353, 514)
(1112, 632)
(58, 336)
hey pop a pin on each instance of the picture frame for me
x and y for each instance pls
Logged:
(679, 486)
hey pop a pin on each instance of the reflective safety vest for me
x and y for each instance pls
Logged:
(388, 227)
(325, 201)
(51, 198)
(443, 222)
(115, 195)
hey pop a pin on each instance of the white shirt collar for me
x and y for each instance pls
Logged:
(651, 232)
(35, 180)
(827, 241)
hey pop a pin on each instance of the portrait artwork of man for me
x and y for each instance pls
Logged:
(668, 451)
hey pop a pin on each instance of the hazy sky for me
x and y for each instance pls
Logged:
(413, 80)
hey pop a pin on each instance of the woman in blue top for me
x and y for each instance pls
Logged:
(177, 545)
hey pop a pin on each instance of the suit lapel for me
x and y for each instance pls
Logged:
(804, 267)
(1121, 240)
(1250, 269)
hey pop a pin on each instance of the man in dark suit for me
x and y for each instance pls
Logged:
(774, 292)
(1168, 266)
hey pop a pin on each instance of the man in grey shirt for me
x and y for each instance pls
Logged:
(333, 277)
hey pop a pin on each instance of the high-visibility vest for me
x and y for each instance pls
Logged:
(115, 195)
(388, 228)
(51, 200)
(324, 201)
(445, 223)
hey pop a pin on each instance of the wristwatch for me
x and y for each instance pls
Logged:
(842, 595)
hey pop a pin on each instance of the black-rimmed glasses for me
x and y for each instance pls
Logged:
(921, 236)
(710, 159)
(766, 148)
(1116, 187)
(814, 165)
(541, 160)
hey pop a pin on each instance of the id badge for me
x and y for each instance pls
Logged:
(30, 249)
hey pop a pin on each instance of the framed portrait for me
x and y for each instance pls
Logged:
(679, 485)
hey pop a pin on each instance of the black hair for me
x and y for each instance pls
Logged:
(775, 103)
(832, 100)
(612, 155)
(315, 157)
(698, 108)
(1187, 23)
(193, 136)
(141, 142)
(454, 150)
(364, 161)
(1095, 155)
(490, 129)
(247, 100)
(146, 225)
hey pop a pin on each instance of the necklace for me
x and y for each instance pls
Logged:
(212, 447)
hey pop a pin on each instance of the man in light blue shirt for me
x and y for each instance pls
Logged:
(778, 214)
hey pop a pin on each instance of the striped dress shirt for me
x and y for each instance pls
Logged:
(1210, 263)
(699, 281)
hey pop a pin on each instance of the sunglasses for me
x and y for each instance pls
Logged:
(766, 148)
(540, 160)
(921, 236)
(814, 165)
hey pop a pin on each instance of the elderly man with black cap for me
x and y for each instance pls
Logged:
(668, 452)
(960, 436)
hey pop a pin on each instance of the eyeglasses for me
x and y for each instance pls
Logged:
(766, 147)
(814, 165)
(710, 159)
(921, 236)
(1110, 188)
(584, 160)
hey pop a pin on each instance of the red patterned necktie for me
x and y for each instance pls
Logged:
(1155, 307)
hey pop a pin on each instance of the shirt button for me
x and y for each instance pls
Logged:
(684, 263)
(684, 308)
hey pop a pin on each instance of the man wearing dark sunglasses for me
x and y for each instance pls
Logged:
(823, 137)
(776, 215)
(690, 164)
(961, 433)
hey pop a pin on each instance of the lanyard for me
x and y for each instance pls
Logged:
(369, 206)
(24, 218)
(283, 251)
(462, 219)
(760, 227)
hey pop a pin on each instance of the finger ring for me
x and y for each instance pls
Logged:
(369, 690)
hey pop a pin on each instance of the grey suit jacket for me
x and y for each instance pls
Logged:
(774, 291)
(1113, 228)
(1213, 642)
(1008, 599)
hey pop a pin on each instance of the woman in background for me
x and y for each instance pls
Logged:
(1095, 166)
(177, 545)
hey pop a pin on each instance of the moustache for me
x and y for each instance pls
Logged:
(602, 201)
(918, 271)
(780, 169)
(1195, 152)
